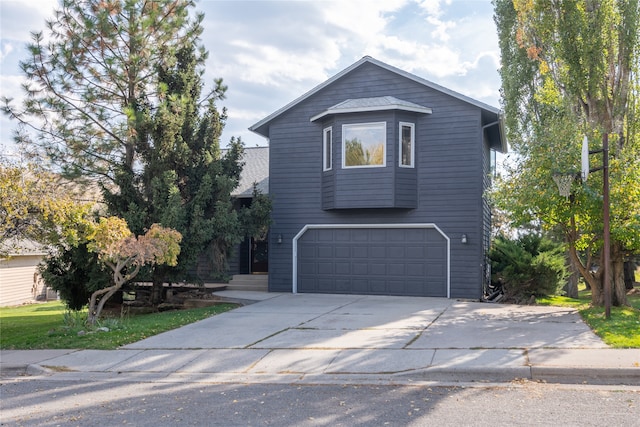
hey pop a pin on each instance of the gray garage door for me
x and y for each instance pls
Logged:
(376, 261)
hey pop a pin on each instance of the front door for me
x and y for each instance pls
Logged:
(259, 255)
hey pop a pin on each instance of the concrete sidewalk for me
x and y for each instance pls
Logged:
(354, 339)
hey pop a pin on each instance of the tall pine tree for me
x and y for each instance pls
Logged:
(115, 95)
(186, 180)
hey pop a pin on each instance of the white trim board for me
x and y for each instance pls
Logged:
(338, 226)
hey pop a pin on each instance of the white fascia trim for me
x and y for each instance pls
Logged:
(423, 110)
(328, 226)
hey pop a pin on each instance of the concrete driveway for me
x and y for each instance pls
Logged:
(340, 322)
(318, 338)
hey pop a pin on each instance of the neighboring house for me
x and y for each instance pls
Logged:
(377, 179)
(20, 282)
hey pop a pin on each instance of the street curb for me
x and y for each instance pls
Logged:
(604, 376)
(469, 374)
(32, 369)
(552, 375)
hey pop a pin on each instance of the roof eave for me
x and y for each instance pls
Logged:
(424, 110)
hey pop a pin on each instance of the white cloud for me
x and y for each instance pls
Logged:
(5, 49)
(10, 85)
(20, 17)
(441, 31)
(270, 65)
(433, 7)
(271, 52)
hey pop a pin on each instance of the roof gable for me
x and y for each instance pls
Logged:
(262, 127)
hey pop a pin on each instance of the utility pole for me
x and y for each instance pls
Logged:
(605, 223)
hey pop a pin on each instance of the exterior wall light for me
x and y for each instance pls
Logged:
(463, 239)
(279, 239)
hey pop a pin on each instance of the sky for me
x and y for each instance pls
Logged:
(271, 52)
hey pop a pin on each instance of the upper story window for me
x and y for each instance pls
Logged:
(327, 149)
(406, 141)
(364, 145)
(493, 163)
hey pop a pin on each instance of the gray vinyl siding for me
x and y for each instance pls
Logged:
(449, 174)
(486, 207)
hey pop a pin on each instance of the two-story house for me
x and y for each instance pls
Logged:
(377, 178)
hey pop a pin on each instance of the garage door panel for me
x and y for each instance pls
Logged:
(359, 236)
(342, 285)
(342, 251)
(359, 252)
(307, 252)
(307, 268)
(413, 287)
(327, 284)
(378, 286)
(343, 268)
(391, 261)
(378, 269)
(326, 268)
(377, 252)
(396, 252)
(360, 285)
(379, 237)
(360, 268)
(396, 237)
(324, 251)
(435, 252)
(415, 252)
(395, 269)
(414, 269)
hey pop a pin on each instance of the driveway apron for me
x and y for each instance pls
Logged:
(296, 336)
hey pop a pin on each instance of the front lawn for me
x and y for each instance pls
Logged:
(622, 330)
(51, 326)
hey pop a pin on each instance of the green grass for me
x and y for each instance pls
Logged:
(51, 326)
(622, 330)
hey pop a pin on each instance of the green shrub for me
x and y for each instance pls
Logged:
(530, 265)
(75, 273)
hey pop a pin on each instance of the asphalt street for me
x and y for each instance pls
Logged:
(49, 402)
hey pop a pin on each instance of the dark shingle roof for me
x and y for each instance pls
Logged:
(255, 170)
(380, 103)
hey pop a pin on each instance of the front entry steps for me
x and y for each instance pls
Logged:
(249, 282)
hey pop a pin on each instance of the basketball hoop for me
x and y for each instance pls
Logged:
(563, 181)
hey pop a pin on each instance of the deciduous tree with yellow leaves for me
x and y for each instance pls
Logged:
(569, 70)
(125, 254)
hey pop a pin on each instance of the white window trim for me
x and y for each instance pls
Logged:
(327, 163)
(413, 144)
(384, 156)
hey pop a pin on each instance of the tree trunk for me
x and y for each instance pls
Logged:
(618, 289)
(571, 287)
(118, 280)
(629, 274)
(594, 282)
(158, 286)
(94, 312)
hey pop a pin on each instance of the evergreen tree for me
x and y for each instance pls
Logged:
(115, 95)
(185, 180)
